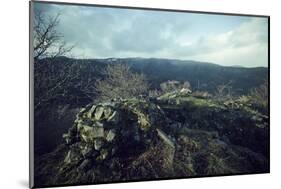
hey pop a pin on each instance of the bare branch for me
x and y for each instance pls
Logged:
(120, 82)
(48, 42)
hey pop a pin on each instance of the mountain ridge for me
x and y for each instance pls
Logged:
(171, 60)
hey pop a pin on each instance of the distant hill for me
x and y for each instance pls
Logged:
(201, 75)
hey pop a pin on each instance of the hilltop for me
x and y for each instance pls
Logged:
(65, 85)
(177, 134)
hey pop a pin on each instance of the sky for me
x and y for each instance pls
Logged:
(120, 33)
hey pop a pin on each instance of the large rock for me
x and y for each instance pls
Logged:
(115, 127)
(167, 151)
(135, 139)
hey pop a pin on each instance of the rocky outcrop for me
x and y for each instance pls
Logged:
(176, 135)
(105, 130)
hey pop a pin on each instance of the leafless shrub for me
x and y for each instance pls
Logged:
(120, 82)
(186, 85)
(154, 93)
(260, 95)
(63, 82)
(224, 91)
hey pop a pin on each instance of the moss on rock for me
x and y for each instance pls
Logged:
(176, 135)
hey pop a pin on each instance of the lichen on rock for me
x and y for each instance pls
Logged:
(105, 127)
(176, 135)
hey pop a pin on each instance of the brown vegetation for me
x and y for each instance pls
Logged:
(120, 82)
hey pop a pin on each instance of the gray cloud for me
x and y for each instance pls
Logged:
(107, 32)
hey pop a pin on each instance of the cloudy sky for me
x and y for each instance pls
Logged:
(110, 32)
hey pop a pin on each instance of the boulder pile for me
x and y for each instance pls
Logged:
(138, 139)
(116, 128)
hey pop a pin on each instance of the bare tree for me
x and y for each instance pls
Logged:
(155, 93)
(224, 90)
(49, 82)
(260, 94)
(186, 85)
(48, 42)
(120, 82)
